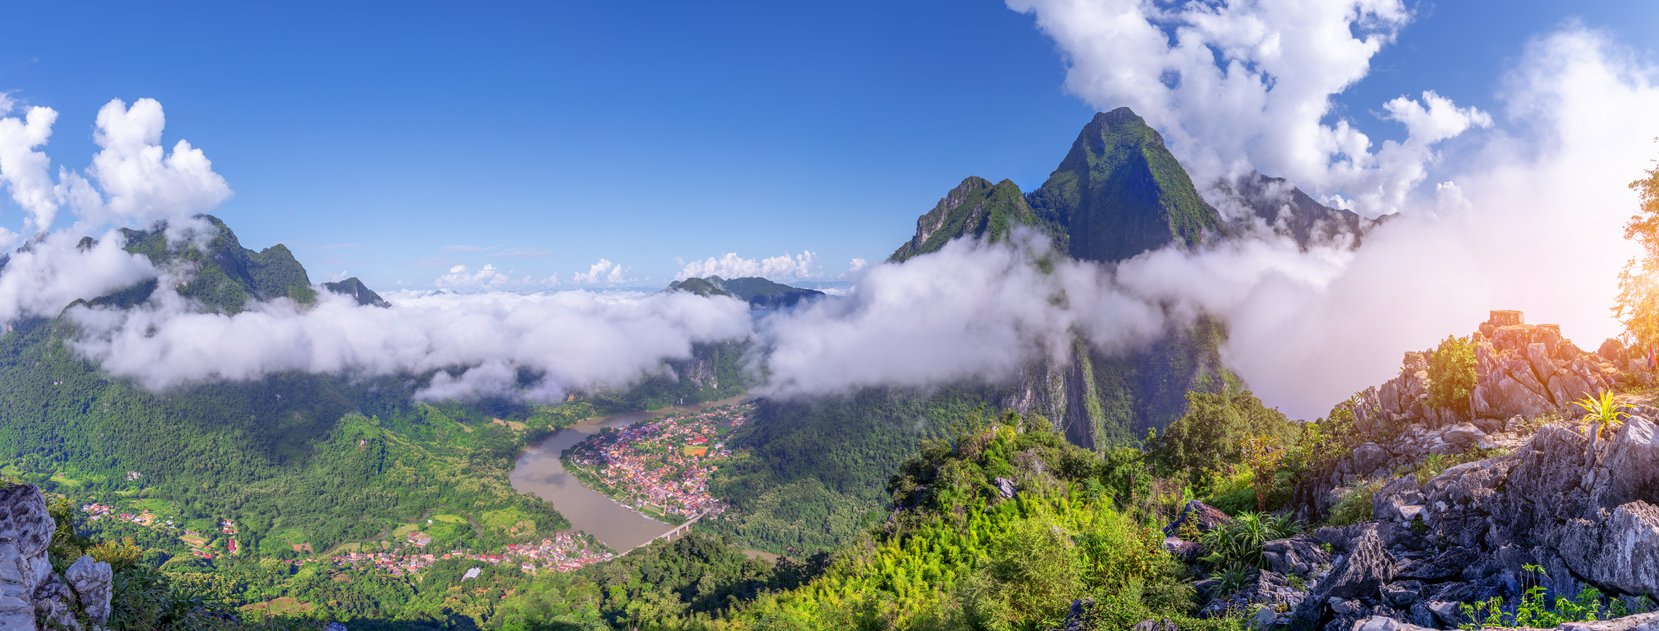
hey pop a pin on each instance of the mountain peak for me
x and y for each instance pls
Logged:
(759, 292)
(1120, 192)
(1119, 116)
(975, 208)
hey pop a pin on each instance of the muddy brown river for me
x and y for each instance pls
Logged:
(539, 472)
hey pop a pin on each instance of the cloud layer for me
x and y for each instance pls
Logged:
(782, 267)
(497, 344)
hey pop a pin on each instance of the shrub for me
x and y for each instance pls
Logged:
(1537, 609)
(1604, 412)
(1452, 374)
(1355, 506)
(1233, 551)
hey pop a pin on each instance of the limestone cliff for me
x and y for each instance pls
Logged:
(32, 595)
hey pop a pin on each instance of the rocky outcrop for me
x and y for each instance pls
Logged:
(1522, 372)
(1583, 508)
(32, 596)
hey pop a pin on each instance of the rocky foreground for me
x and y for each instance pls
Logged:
(1552, 504)
(32, 595)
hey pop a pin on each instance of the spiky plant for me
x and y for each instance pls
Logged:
(1604, 412)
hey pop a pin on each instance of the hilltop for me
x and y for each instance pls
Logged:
(760, 293)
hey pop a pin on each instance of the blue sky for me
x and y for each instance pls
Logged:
(543, 137)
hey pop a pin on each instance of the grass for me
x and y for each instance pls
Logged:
(1355, 505)
(279, 607)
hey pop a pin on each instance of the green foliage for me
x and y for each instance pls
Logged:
(1120, 192)
(961, 554)
(1207, 443)
(1537, 610)
(810, 473)
(1233, 551)
(981, 210)
(1452, 374)
(1604, 412)
(1355, 505)
(1637, 305)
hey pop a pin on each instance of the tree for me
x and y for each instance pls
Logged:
(1262, 454)
(1638, 302)
(1207, 441)
(1452, 374)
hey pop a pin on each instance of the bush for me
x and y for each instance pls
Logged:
(1452, 374)
(1233, 551)
(1355, 506)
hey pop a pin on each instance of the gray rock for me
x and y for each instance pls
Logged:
(1622, 552)
(1006, 488)
(1362, 572)
(1300, 554)
(1203, 517)
(1369, 458)
(25, 531)
(92, 581)
(1381, 623)
(31, 594)
(1464, 435)
(1264, 618)
(1446, 613)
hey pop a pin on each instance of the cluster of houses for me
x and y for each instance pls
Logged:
(663, 465)
(199, 544)
(562, 552)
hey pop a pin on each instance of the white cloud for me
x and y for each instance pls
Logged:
(969, 312)
(781, 267)
(603, 272)
(1533, 222)
(42, 279)
(24, 170)
(563, 341)
(1243, 84)
(141, 181)
(856, 266)
(462, 277)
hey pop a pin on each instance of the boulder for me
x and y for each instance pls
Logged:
(1464, 435)
(1621, 553)
(1368, 458)
(1301, 554)
(31, 594)
(1203, 516)
(1362, 572)
(93, 582)
(1611, 350)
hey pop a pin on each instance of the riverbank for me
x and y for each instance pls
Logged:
(540, 472)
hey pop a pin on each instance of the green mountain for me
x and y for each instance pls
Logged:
(223, 275)
(358, 291)
(1120, 192)
(308, 460)
(760, 293)
(975, 208)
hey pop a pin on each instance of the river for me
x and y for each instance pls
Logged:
(539, 472)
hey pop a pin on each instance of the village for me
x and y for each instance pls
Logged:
(563, 552)
(200, 543)
(661, 467)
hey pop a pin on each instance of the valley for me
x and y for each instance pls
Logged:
(541, 470)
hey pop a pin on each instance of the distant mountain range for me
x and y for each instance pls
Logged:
(760, 293)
